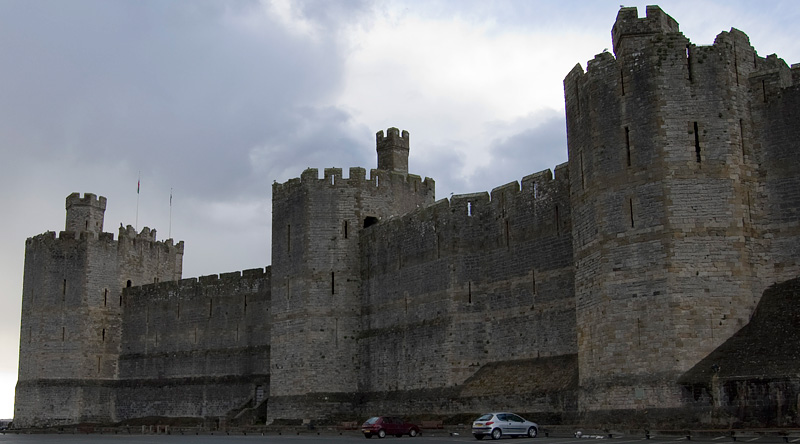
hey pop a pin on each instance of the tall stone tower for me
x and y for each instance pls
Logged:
(664, 164)
(71, 312)
(316, 276)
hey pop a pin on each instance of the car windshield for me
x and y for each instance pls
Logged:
(485, 417)
(372, 420)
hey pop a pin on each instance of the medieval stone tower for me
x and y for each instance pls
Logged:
(668, 156)
(72, 308)
(585, 294)
(316, 272)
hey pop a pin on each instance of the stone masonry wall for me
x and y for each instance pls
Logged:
(316, 279)
(196, 347)
(464, 283)
(665, 172)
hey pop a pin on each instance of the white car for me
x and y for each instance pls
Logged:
(498, 424)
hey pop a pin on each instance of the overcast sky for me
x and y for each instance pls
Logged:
(215, 100)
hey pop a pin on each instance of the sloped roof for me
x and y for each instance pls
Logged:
(768, 347)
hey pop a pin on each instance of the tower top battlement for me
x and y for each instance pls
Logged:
(392, 150)
(628, 24)
(85, 213)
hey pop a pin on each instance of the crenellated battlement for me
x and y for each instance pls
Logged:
(392, 150)
(168, 289)
(380, 180)
(85, 213)
(393, 137)
(629, 27)
(88, 199)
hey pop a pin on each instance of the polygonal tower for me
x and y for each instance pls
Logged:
(316, 276)
(71, 312)
(664, 196)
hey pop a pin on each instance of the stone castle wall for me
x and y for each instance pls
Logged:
(454, 287)
(591, 293)
(195, 347)
(668, 197)
(72, 308)
(316, 310)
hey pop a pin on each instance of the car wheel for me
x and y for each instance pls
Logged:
(497, 433)
(532, 432)
(478, 437)
(381, 433)
(412, 433)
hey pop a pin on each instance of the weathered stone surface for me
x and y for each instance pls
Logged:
(583, 294)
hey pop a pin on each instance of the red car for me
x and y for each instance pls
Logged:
(388, 425)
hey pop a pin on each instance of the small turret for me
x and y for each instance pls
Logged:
(629, 28)
(85, 213)
(392, 150)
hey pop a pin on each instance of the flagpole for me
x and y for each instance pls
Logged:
(138, 184)
(170, 214)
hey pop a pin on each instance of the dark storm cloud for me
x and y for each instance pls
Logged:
(184, 90)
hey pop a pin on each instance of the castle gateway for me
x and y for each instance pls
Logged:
(622, 289)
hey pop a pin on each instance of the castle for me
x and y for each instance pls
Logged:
(609, 291)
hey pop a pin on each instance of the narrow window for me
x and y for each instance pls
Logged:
(333, 283)
(210, 306)
(469, 208)
(104, 335)
(735, 63)
(697, 142)
(622, 80)
(558, 225)
(155, 280)
(508, 243)
(469, 292)
(105, 297)
(120, 299)
(63, 289)
(535, 190)
(376, 181)
(245, 304)
(332, 179)
(345, 229)
(129, 283)
(288, 238)
(741, 136)
(628, 144)
(87, 225)
(63, 333)
(689, 62)
(630, 207)
(583, 178)
(98, 364)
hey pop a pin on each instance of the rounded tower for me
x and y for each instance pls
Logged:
(661, 196)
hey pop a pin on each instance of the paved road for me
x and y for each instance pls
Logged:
(356, 438)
